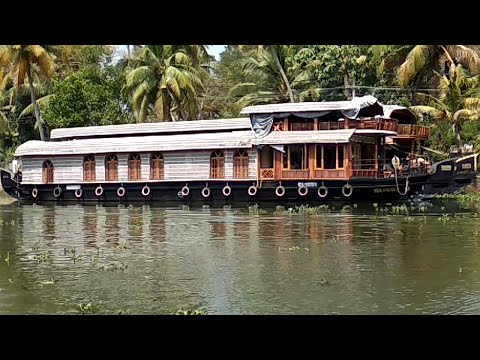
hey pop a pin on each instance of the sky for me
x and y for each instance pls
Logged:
(214, 50)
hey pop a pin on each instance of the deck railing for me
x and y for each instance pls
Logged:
(413, 131)
(374, 124)
(266, 174)
(384, 167)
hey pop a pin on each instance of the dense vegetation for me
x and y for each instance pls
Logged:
(46, 86)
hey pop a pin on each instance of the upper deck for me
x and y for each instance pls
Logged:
(364, 113)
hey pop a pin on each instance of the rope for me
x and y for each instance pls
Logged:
(398, 188)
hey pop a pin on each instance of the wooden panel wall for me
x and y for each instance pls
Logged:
(178, 166)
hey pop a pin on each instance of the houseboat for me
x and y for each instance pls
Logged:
(307, 152)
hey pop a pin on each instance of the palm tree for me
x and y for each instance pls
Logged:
(163, 77)
(23, 61)
(457, 102)
(268, 67)
(416, 61)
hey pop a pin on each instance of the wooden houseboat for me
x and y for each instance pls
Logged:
(310, 152)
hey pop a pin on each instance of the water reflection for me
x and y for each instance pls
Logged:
(226, 261)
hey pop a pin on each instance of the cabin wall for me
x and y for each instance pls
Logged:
(145, 166)
(186, 166)
(65, 169)
(177, 166)
(122, 167)
(252, 163)
(100, 167)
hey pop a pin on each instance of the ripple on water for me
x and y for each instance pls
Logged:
(150, 260)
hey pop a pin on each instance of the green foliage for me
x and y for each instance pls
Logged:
(91, 96)
(95, 55)
(333, 66)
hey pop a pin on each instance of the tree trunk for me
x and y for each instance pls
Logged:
(345, 85)
(415, 87)
(36, 109)
(458, 128)
(284, 76)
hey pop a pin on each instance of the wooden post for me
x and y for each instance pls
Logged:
(376, 157)
(346, 123)
(259, 159)
(315, 124)
(311, 162)
(348, 157)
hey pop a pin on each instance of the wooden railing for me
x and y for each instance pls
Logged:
(365, 173)
(374, 124)
(413, 131)
(371, 124)
(266, 174)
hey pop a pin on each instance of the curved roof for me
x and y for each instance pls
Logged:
(400, 113)
(152, 143)
(198, 126)
(353, 105)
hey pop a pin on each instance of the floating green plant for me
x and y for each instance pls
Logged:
(88, 308)
(323, 282)
(444, 218)
(116, 265)
(121, 247)
(190, 312)
(255, 209)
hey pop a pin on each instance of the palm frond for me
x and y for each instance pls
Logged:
(421, 110)
(6, 56)
(466, 56)
(138, 75)
(472, 103)
(41, 57)
(463, 114)
(3, 123)
(415, 62)
(40, 102)
(242, 89)
(259, 97)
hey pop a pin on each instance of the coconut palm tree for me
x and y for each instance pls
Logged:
(416, 61)
(457, 102)
(273, 79)
(164, 80)
(23, 61)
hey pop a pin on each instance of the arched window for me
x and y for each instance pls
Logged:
(47, 172)
(111, 168)
(240, 164)
(134, 167)
(89, 168)
(156, 167)
(217, 165)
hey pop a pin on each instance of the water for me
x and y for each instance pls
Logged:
(146, 260)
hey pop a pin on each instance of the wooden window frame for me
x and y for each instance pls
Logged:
(336, 157)
(157, 158)
(134, 167)
(48, 172)
(241, 160)
(89, 168)
(217, 165)
(111, 159)
(305, 158)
